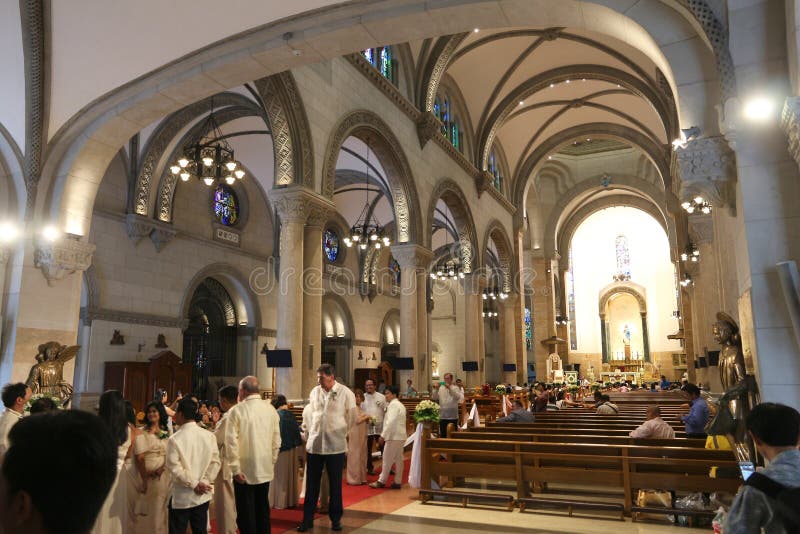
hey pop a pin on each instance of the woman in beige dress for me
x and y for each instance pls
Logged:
(150, 449)
(357, 444)
(284, 491)
(113, 516)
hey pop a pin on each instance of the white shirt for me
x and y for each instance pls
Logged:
(7, 420)
(374, 405)
(394, 427)
(329, 414)
(219, 435)
(192, 457)
(449, 399)
(655, 428)
(253, 439)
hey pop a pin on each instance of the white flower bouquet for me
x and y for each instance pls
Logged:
(426, 411)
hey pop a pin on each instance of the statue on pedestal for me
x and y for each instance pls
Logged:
(555, 369)
(47, 375)
(740, 390)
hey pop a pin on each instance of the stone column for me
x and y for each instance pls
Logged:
(509, 335)
(646, 339)
(294, 205)
(473, 323)
(413, 260)
(318, 214)
(541, 313)
(422, 365)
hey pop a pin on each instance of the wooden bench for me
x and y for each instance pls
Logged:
(571, 505)
(465, 497)
(576, 438)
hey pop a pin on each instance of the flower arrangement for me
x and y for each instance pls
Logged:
(486, 389)
(557, 384)
(500, 389)
(426, 411)
(373, 420)
(34, 398)
(163, 434)
(595, 387)
(573, 388)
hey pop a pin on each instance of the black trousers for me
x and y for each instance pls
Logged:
(334, 465)
(443, 426)
(197, 517)
(252, 507)
(371, 441)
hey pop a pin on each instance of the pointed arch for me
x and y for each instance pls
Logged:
(451, 194)
(496, 234)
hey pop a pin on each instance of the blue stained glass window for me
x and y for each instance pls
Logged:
(446, 118)
(437, 109)
(386, 62)
(226, 206)
(494, 169)
(456, 135)
(528, 329)
(623, 256)
(330, 245)
(394, 269)
(369, 55)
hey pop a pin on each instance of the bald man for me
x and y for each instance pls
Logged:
(654, 427)
(252, 444)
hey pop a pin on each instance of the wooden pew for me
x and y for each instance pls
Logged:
(535, 436)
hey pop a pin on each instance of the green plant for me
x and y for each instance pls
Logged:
(426, 411)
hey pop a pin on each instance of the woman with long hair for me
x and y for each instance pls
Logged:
(150, 450)
(284, 491)
(113, 517)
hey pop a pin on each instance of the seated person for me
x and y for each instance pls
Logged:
(775, 429)
(56, 473)
(518, 415)
(607, 407)
(654, 427)
(598, 400)
(665, 384)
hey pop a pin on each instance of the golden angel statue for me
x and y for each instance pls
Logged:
(47, 375)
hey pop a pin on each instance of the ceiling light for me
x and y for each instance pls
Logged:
(367, 228)
(698, 203)
(549, 157)
(552, 85)
(521, 102)
(476, 30)
(8, 232)
(50, 233)
(567, 81)
(758, 109)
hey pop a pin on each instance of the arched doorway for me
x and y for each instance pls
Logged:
(209, 341)
(337, 337)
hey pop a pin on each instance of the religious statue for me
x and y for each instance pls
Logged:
(161, 342)
(740, 389)
(555, 372)
(590, 374)
(626, 335)
(47, 375)
(117, 338)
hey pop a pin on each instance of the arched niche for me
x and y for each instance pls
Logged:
(390, 334)
(337, 335)
(623, 323)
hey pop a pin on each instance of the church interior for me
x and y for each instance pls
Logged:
(562, 192)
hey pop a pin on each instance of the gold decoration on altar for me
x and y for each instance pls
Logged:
(47, 375)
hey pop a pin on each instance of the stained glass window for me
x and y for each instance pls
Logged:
(330, 245)
(528, 329)
(394, 270)
(437, 109)
(623, 257)
(573, 323)
(369, 55)
(386, 62)
(446, 118)
(226, 206)
(382, 59)
(495, 171)
(455, 135)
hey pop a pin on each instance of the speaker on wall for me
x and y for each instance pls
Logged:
(713, 358)
(703, 362)
(279, 358)
(469, 366)
(509, 367)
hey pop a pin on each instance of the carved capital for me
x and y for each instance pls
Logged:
(428, 127)
(300, 205)
(57, 260)
(701, 228)
(412, 256)
(790, 123)
(138, 226)
(707, 169)
(160, 236)
(484, 181)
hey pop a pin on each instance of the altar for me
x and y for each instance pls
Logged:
(635, 377)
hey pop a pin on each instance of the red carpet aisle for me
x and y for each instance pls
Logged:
(286, 520)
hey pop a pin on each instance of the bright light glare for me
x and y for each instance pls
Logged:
(8, 232)
(50, 233)
(758, 109)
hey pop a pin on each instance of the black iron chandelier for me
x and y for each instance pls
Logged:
(494, 294)
(449, 269)
(367, 231)
(208, 157)
(692, 253)
(698, 203)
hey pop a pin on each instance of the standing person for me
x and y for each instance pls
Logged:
(331, 406)
(393, 437)
(284, 492)
(654, 427)
(193, 462)
(697, 418)
(449, 396)
(14, 398)
(252, 443)
(113, 517)
(775, 429)
(374, 406)
(150, 450)
(224, 498)
(357, 443)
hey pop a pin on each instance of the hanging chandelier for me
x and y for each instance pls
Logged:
(367, 231)
(448, 268)
(692, 253)
(698, 203)
(494, 294)
(208, 157)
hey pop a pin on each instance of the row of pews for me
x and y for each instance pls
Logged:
(567, 451)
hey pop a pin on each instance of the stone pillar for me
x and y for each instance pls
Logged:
(541, 312)
(318, 215)
(294, 206)
(413, 260)
(422, 365)
(606, 357)
(646, 339)
(509, 335)
(473, 324)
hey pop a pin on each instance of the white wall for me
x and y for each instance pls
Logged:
(594, 257)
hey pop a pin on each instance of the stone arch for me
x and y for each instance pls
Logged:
(390, 327)
(658, 154)
(616, 288)
(571, 224)
(235, 283)
(164, 136)
(496, 233)
(13, 190)
(342, 307)
(366, 124)
(451, 194)
(665, 203)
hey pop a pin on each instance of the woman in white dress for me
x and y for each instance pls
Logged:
(150, 450)
(113, 517)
